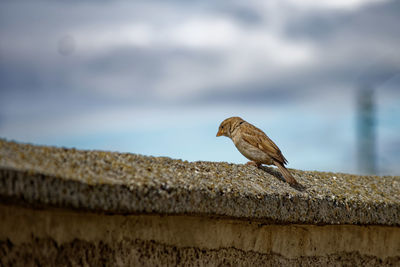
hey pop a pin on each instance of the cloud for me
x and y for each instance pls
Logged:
(101, 66)
(197, 52)
(334, 5)
(171, 52)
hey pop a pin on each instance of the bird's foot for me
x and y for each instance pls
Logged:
(252, 163)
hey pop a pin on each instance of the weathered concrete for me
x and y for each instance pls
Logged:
(128, 183)
(65, 206)
(57, 236)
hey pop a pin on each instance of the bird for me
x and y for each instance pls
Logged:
(255, 145)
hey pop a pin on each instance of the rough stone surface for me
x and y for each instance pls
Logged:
(41, 176)
(150, 253)
(54, 237)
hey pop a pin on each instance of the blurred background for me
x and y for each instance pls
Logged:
(321, 78)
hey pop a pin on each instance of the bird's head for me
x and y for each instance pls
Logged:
(227, 125)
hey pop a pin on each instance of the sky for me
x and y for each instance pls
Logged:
(157, 77)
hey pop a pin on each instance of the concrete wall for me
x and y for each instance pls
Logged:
(70, 207)
(69, 237)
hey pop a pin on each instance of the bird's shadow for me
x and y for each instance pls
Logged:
(274, 172)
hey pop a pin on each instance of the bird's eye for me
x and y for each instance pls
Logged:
(222, 127)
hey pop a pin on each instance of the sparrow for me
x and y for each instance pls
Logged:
(255, 145)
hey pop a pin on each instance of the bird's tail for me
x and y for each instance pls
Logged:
(285, 173)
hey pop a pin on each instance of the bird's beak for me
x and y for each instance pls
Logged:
(219, 133)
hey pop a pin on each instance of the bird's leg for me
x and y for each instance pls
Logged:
(253, 163)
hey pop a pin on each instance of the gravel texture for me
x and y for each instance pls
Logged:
(128, 183)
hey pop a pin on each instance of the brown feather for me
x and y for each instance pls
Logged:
(258, 138)
(255, 145)
(285, 173)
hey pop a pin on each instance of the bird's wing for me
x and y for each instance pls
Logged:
(259, 139)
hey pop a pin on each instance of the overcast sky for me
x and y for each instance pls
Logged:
(157, 77)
